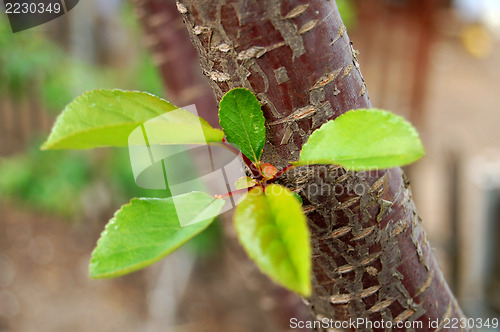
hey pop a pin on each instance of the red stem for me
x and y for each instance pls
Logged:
(282, 171)
(232, 193)
(255, 171)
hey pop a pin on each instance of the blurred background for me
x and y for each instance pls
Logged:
(435, 62)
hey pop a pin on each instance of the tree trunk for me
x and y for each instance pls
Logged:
(370, 257)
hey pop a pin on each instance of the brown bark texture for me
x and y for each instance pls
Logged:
(370, 257)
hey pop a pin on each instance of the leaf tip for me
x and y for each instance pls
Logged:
(93, 274)
(306, 290)
(50, 144)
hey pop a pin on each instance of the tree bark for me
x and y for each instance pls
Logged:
(370, 257)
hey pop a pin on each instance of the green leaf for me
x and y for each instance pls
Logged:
(148, 229)
(243, 122)
(107, 117)
(245, 182)
(273, 230)
(298, 198)
(363, 140)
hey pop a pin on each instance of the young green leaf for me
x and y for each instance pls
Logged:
(245, 182)
(107, 117)
(272, 229)
(268, 170)
(243, 122)
(147, 229)
(362, 140)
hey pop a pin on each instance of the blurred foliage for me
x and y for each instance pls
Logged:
(51, 181)
(348, 13)
(209, 242)
(62, 87)
(116, 169)
(25, 58)
(32, 63)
